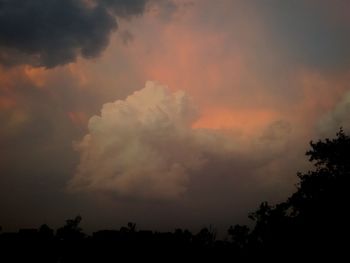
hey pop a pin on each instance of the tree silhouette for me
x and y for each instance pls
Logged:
(130, 228)
(326, 187)
(46, 232)
(71, 230)
(206, 236)
(314, 220)
(239, 235)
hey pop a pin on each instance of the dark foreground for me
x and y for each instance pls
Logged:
(312, 224)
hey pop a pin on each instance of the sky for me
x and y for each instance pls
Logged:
(167, 113)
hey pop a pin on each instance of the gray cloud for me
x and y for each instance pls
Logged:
(35, 159)
(126, 37)
(338, 117)
(315, 32)
(55, 32)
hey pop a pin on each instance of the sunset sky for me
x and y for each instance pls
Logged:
(167, 113)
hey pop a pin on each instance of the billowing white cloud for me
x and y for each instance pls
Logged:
(145, 146)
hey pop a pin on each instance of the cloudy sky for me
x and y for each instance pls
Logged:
(168, 113)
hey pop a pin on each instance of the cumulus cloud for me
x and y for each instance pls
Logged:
(55, 32)
(145, 146)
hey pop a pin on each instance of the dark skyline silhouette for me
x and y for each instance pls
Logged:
(311, 223)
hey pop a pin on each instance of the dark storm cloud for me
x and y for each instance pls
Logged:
(55, 32)
(125, 8)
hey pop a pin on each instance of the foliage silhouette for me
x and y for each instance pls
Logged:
(239, 235)
(71, 230)
(314, 220)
